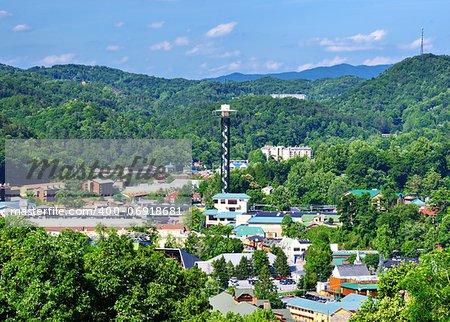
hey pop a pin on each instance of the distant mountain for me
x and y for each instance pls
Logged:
(361, 71)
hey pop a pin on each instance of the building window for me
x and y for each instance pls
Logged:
(222, 201)
(296, 249)
(232, 209)
(232, 202)
(215, 201)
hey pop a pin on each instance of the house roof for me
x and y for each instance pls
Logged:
(183, 257)
(265, 220)
(391, 262)
(285, 313)
(211, 212)
(349, 303)
(426, 210)
(256, 238)
(102, 181)
(231, 196)
(225, 303)
(360, 192)
(241, 291)
(234, 258)
(418, 202)
(352, 270)
(242, 231)
(228, 214)
(171, 227)
(355, 286)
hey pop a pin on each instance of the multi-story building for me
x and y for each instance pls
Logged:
(285, 153)
(297, 96)
(101, 187)
(294, 249)
(303, 309)
(226, 207)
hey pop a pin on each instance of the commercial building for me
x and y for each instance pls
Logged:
(285, 153)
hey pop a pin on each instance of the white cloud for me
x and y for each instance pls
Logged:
(228, 54)
(181, 41)
(221, 30)
(164, 45)
(4, 13)
(231, 66)
(273, 65)
(59, 59)
(113, 48)
(21, 28)
(374, 36)
(379, 60)
(156, 24)
(119, 24)
(356, 42)
(122, 60)
(326, 62)
(202, 49)
(427, 44)
(167, 45)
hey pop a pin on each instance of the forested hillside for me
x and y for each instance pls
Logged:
(73, 101)
(410, 95)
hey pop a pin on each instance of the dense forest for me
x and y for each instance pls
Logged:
(73, 101)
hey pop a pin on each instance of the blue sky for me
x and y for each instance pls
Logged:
(197, 39)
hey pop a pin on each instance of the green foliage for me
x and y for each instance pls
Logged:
(280, 264)
(209, 246)
(244, 269)
(412, 292)
(194, 219)
(260, 262)
(318, 264)
(221, 272)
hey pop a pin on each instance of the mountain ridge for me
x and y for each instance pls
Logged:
(361, 71)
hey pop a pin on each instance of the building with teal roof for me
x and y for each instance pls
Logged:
(245, 231)
(418, 202)
(360, 192)
(308, 310)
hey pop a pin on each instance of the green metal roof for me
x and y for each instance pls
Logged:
(360, 192)
(242, 231)
(231, 196)
(363, 287)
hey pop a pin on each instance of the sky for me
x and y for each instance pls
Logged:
(206, 38)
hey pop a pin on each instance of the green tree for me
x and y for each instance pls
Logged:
(281, 265)
(260, 261)
(318, 264)
(244, 269)
(221, 272)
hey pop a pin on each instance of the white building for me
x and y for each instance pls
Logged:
(232, 202)
(226, 207)
(234, 258)
(297, 96)
(294, 249)
(285, 153)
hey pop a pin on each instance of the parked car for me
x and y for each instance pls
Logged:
(252, 281)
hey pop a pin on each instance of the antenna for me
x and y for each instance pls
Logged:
(421, 46)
